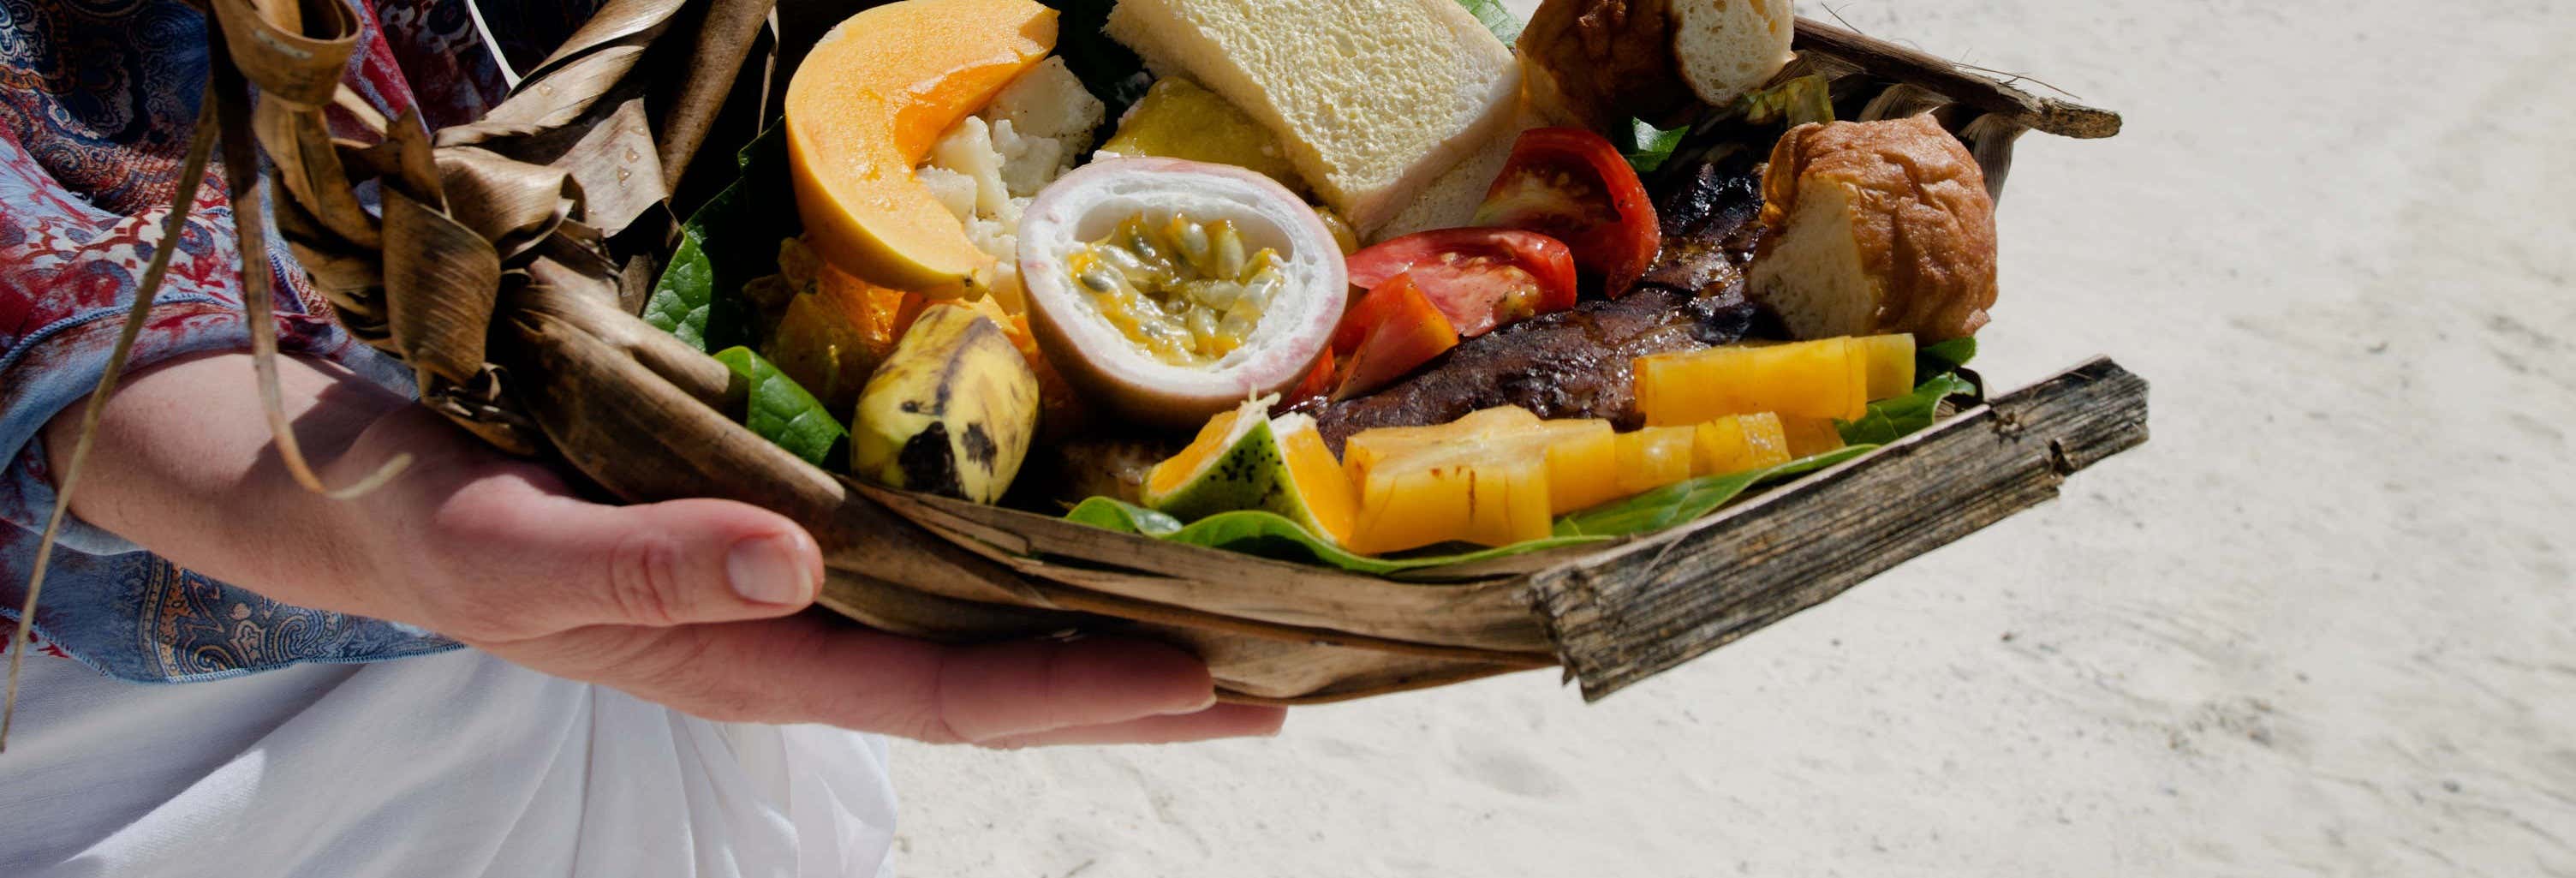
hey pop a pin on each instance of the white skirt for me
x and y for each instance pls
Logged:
(457, 764)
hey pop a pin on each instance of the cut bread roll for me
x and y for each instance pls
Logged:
(1372, 98)
(1875, 227)
(1726, 49)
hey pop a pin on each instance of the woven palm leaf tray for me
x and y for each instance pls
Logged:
(506, 262)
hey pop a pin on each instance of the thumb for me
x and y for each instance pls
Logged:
(573, 563)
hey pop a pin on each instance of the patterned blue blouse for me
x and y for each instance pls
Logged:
(96, 100)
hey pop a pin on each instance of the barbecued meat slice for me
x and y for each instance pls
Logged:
(1577, 363)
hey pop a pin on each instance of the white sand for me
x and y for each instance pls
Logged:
(2321, 624)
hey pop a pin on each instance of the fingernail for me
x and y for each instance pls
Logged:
(1193, 707)
(770, 569)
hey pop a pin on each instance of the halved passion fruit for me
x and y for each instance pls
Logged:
(1172, 290)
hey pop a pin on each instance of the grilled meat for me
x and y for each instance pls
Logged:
(1576, 363)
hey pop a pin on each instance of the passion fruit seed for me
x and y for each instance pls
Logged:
(1229, 251)
(1183, 291)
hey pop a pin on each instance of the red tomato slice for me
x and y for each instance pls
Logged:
(1480, 278)
(1408, 331)
(1318, 381)
(1573, 185)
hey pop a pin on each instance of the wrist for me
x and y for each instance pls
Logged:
(184, 465)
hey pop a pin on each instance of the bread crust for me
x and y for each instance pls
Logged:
(1922, 221)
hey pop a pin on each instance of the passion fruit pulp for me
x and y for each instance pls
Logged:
(1127, 304)
(1182, 289)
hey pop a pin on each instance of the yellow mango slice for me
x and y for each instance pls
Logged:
(1826, 378)
(1737, 443)
(867, 104)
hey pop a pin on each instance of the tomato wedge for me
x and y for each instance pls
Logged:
(1318, 381)
(1404, 331)
(1480, 278)
(1573, 185)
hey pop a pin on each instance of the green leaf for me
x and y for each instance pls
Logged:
(1684, 501)
(1945, 356)
(1269, 535)
(783, 413)
(1109, 70)
(1892, 418)
(1496, 19)
(1115, 514)
(1647, 147)
(732, 239)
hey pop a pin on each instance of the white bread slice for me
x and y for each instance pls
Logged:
(1372, 98)
(1452, 198)
(1728, 48)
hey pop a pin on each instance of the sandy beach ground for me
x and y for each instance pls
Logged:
(2321, 624)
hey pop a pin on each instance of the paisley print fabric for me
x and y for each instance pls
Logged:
(97, 98)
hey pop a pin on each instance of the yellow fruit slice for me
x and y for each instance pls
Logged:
(1182, 120)
(1331, 505)
(1654, 457)
(1891, 364)
(1491, 477)
(1827, 378)
(1737, 443)
(1213, 439)
(1809, 437)
(1582, 465)
(831, 339)
(1446, 493)
(1581, 455)
(869, 101)
(1244, 459)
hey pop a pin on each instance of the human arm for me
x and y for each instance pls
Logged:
(690, 603)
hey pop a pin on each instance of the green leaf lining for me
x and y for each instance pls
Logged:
(1270, 535)
(783, 413)
(1895, 417)
(1945, 356)
(1686, 501)
(732, 239)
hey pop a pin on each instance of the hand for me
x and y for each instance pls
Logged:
(690, 603)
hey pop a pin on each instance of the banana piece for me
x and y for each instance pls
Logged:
(950, 412)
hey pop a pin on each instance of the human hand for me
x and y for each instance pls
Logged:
(689, 603)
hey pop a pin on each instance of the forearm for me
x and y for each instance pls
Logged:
(184, 465)
(693, 603)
